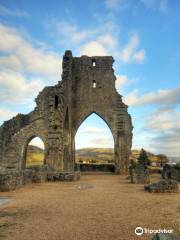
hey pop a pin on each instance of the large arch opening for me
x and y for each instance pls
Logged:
(35, 152)
(94, 145)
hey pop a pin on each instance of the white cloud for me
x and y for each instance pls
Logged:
(121, 81)
(130, 52)
(132, 98)
(101, 40)
(108, 40)
(6, 114)
(70, 31)
(161, 5)
(93, 48)
(15, 88)
(13, 12)
(10, 39)
(139, 56)
(163, 97)
(92, 136)
(92, 130)
(37, 142)
(159, 132)
(11, 62)
(104, 33)
(161, 129)
(165, 125)
(21, 55)
(149, 3)
(116, 4)
(101, 143)
(164, 120)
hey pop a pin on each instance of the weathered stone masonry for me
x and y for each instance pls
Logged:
(87, 86)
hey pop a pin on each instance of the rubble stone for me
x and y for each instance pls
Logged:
(162, 186)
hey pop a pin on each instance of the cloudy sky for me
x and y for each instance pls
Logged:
(143, 36)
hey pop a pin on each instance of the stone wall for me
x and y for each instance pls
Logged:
(171, 172)
(139, 174)
(86, 167)
(13, 179)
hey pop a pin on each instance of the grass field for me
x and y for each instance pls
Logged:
(34, 156)
(35, 159)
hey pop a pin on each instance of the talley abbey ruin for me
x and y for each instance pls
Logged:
(87, 86)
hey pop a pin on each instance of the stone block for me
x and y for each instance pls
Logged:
(63, 176)
(139, 174)
(39, 176)
(170, 186)
(166, 236)
(10, 180)
(27, 176)
(171, 172)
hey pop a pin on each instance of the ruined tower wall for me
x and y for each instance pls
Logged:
(93, 90)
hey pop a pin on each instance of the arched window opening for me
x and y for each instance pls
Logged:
(94, 143)
(94, 63)
(56, 102)
(94, 84)
(35, 152)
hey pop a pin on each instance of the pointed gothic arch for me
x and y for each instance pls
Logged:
(26, 153)
(107, 130)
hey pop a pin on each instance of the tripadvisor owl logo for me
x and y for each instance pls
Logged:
(139, 231)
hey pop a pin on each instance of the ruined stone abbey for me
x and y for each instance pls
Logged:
(87, 86)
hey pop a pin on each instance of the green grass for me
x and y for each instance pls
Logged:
(35, 156)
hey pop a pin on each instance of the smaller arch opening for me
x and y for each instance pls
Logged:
(56, 102)
(94, 63)
(35, 152)
(94, 84)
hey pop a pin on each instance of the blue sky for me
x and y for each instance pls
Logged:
(143, 36)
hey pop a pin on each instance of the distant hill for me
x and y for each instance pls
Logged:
(35, 149)
(102, 155)
(35, 156)
(105, 155)
(155, 159)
